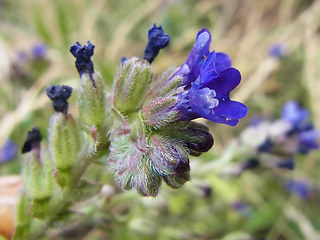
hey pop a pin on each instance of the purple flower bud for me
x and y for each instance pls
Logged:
(8, 151)
(59, 95)
(177, 180)
(157, 41)
(286, 164)
(83, 56)
(33, 140)
(267, 146)
(168, 157)
(251, 164)
(123, 60)
(194, 136)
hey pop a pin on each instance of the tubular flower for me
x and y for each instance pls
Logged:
(208, 79)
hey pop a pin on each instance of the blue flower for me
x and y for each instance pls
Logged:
(33, 140)
(8, 151)
(157, 41)
(298, 188)
(301, 125)
(294, 114)
(83, 56)
(208, 79)
(308, 140)
(277, 50)
(39, 50)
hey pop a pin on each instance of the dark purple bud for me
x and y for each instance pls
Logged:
(59, 95)
(83, 56)
(123, 60)
(195, 136)
(267, 146)
(177, 180)
(207, 191)
(8, 151)
(157, 41)
(286, 164)
(33, 140)
(251, 164)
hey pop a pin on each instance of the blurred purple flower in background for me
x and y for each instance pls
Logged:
(301, 125)
(208, 79)
(39, 50)
(277, 50)
(299, 188)
(8, 151)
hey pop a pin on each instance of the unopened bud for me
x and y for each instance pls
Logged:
(195, 136)
(131, 84)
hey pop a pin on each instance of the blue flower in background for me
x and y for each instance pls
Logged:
(308, 140)
(208, 79)
(277, 50)
(301, 125)
(8, 151)
(298, 188)
(39, 50)
(294, 114)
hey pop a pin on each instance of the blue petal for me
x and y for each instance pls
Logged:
(202, 101)
(197, 55)
(223, 61)
(293, 113)
(223, 83)
(208, 69)
(228, 112)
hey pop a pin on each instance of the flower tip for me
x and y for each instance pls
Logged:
(83, 56)
(157, 41)
(203, 35)
(33, 140)
(59, 95)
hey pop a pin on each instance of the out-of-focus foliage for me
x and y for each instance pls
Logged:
(35, 37)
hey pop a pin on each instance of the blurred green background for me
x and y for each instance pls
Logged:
(245, 30)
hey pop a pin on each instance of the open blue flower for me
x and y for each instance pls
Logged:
(208, 79)
(293, 113)
(301, 125)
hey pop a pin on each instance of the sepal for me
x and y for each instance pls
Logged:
(131, 85)
(91, 100)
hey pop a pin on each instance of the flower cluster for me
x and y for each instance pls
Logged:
(153, 136)
(208, 79)
(278, 142)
